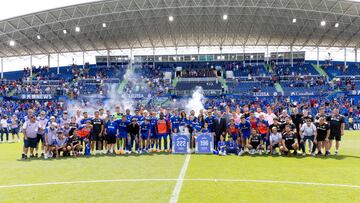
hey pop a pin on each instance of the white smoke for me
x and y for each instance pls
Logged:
(90, 106)
(115, 98)
(196, 102)
(119, 97)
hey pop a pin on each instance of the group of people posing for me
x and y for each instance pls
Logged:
(239, 131)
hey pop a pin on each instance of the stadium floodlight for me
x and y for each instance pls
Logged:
(171, 18)
(336, 25)
(225, 17)
(38, 37)
(323, 23)
(104, 25)
(65, 32)
(294, 20)
(12, 43)
(77, 29)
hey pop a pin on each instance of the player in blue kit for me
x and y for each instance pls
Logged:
(85, 119)
(244, 127)
(145, 129)
(232, 146)
(123, 132)
(175, 121)
(111, 130)
(196, 128)
(141, 118)
(138, 117)
(128, 115)
(209, 119)
(153, 133)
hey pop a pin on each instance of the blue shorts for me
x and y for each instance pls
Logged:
(309, 138)
(122, 135)
(153, 135)
(14, 131)
(247, 136)
(234, 136)
(145, 136)
(265, 140)
(263, 136)
(30, 142)
(50, 142)
(232, 151)
(164, 135)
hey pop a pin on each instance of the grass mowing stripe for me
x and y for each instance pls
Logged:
(181, 181)
(275, 182)
(175, 195)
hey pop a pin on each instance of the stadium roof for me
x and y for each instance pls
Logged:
(122, 24)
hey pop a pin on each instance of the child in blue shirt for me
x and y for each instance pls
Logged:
(221, 147)
(231, 146)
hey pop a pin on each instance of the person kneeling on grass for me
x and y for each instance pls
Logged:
(255, 143)
(74, 142)
(275, 140)
(289, 141)
(232, 146)
(61, 144)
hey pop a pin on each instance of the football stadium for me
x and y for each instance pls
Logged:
(180, 101)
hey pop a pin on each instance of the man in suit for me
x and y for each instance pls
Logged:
(219, 127)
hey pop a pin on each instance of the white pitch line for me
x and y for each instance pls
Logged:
(89, 181)
(176, 179)
(176, 192)
(276, 182)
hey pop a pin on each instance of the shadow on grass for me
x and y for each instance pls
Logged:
(299, 156)
(97, 156)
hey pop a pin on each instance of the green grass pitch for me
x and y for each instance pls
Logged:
(208, 178)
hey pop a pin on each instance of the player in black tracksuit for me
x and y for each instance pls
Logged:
(133, 135)
(337, 127)
(289, 141)
(96, 135)
(323, 132)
